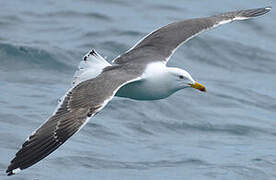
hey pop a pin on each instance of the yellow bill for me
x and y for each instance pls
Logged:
(198, 86)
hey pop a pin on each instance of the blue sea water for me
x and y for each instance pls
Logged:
(227, 133)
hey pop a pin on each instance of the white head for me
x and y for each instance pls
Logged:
(182, 79)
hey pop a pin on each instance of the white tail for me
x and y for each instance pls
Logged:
(90, 67)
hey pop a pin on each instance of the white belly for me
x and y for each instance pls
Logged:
(144, 90)
(156, 83)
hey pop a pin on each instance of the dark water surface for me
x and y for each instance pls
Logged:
(228, 133)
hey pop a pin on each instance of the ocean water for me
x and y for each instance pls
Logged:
(227, 133)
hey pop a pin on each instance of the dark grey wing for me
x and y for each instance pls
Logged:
(160, 44)
(79, 104)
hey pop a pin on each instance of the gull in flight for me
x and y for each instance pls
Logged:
(140, 73)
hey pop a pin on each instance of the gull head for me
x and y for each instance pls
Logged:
(182, 79)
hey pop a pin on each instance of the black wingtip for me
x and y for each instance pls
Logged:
(10, 172)
(250, 13)
(93, 52)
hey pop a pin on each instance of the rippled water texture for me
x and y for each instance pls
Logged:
(227, 133)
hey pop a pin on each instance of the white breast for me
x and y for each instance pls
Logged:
(155, 84)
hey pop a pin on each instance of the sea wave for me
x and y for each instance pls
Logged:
(19, 57)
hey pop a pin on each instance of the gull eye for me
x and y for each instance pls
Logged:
(181, 77)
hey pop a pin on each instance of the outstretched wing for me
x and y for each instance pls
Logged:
(79, 104)
(161, 44)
